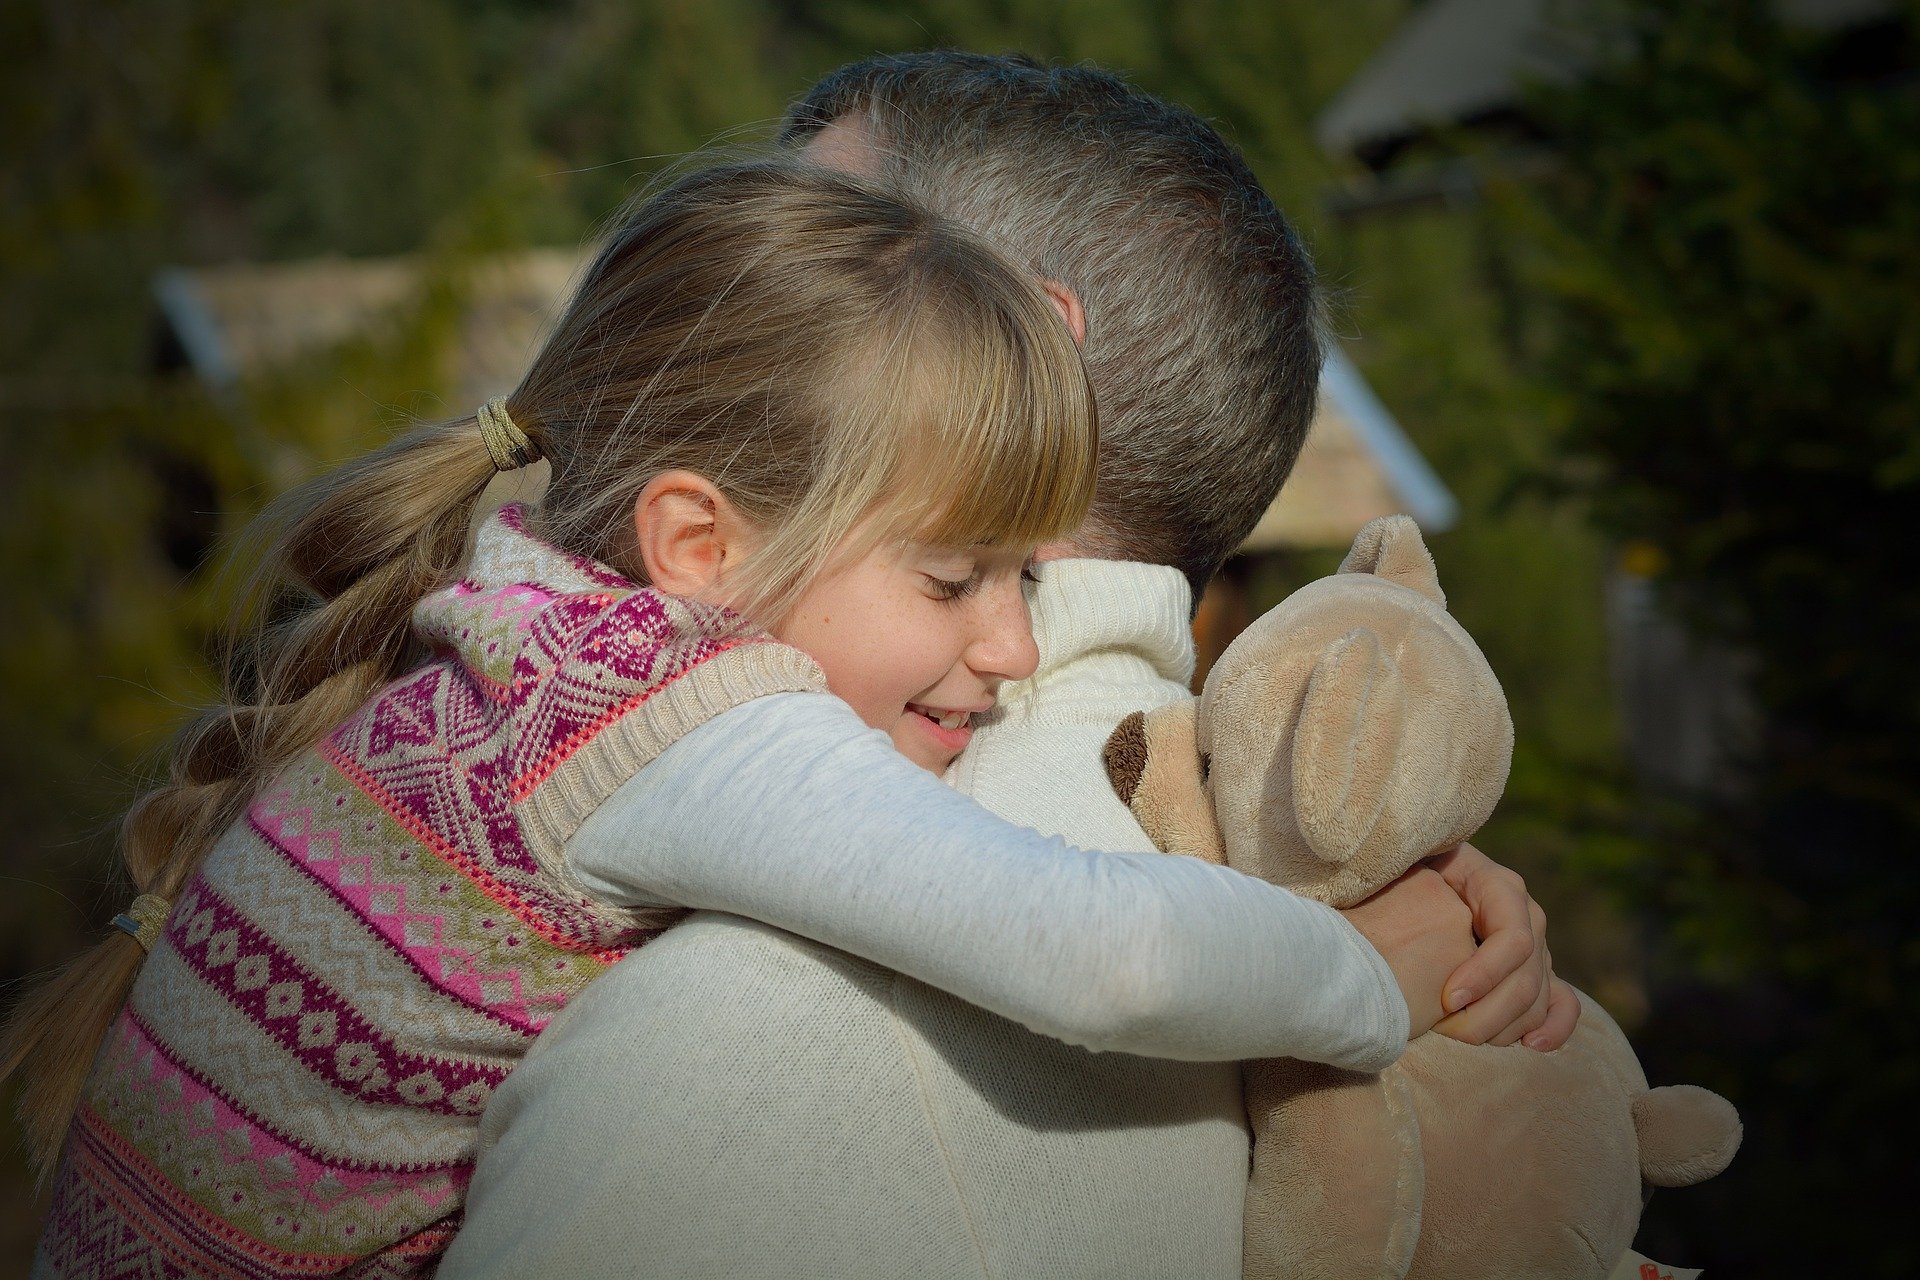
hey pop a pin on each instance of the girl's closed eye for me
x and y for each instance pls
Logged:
(951, 573)
(953, 588)
(956, 584)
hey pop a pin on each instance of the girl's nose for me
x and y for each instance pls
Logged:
(1005, 647)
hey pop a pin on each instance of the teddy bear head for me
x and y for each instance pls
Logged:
(1354, 729)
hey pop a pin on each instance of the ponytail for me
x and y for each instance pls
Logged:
(324, 623)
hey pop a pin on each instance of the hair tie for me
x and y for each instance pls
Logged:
(507, 444)
(144, 920)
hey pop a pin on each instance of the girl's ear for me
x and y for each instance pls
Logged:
(685, 529)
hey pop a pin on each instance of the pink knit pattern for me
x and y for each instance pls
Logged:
(311, 1021)
(295, 1084)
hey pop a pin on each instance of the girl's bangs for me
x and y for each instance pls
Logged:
(997, 442)
(972, 426)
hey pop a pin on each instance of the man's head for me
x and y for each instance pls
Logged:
(1203, 325)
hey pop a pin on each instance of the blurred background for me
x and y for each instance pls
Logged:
(1627, 300)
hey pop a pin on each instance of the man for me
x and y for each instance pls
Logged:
(732, 1101)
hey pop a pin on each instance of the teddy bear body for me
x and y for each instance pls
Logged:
(1447, 1166)
(1351, 732)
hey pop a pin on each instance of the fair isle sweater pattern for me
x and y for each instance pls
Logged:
(295, 1084)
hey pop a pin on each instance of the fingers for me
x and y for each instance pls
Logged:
(1458, 865)
(1563, 1014)
(1516, 1005)
(1496, 895)
(1536, 1014)
(1547, 1024)
(1503, 913)
(1507, 992)
(1499, 959)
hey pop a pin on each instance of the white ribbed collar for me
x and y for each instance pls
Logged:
(1112, 613)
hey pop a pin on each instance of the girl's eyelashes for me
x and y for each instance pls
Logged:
(974, 573)
(953, 588)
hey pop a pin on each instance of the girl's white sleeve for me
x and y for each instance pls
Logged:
(788, 809)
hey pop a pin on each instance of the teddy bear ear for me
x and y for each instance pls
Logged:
(1346, 745)
(1392, 548)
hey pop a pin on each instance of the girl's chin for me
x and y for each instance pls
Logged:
(938, 768)
(933, 762)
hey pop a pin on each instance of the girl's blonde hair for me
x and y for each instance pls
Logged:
(843, 367)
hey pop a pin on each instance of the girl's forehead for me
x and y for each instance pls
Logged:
(973, 552)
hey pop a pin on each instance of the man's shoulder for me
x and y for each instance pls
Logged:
(752, 1083)
(759, 997)
(721, 966)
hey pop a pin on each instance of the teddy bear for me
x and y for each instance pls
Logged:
(1349, 733)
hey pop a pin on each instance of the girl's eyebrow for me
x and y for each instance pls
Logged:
(945, 549)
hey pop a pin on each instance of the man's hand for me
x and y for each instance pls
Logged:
(1506, 991)
(1423, 928)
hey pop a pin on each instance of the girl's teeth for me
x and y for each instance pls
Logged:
(953, 719)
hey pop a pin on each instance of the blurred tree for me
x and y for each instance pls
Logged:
(157, 133)
(627, 87)
(1729, 267)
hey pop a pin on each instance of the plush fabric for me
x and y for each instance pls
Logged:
(1349, 733)
(295, 1085)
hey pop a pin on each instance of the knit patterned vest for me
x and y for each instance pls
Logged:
(295, 1085)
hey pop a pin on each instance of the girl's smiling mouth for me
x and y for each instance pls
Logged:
(948, 720)
(950, 729)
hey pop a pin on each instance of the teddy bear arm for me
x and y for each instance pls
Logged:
(1687, 1134)
(1337, 1180)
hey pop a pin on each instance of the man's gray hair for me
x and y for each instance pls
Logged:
(1203, 322)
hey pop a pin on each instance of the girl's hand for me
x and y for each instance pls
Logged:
(1506, 992)
(1424, 931)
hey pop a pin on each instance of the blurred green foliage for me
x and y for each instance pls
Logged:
(153, 133)
(1726, 267)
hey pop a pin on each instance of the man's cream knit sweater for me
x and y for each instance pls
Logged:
(733, 1100)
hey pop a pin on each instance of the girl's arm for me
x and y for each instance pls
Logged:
(788, 809)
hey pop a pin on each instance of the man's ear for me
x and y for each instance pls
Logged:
(845, 145)
(685, 529)
(1067, 303)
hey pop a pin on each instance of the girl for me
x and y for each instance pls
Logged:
(454, 787)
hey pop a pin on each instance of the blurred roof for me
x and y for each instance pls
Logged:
(1458, 61)
(232, 321)
(227, 323)
(1357, 465)
(1452, 60)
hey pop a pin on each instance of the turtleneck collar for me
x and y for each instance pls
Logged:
(1108, 619)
